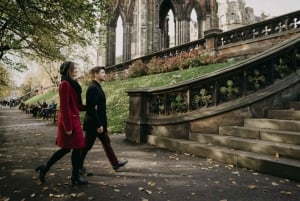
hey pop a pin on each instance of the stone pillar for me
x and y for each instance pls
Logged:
(101, 52)
(111, 46)
(126, 43)
(211, 37)
(181, 30)
(136, 124)
(185, 30)
(214, 18)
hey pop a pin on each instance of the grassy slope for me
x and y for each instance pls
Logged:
(117, 99)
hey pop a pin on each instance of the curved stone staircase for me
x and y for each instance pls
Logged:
(267, 139)
(270, 145)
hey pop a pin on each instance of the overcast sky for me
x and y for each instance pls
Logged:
(273, 7)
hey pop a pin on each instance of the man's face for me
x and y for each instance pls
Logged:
(101, 76)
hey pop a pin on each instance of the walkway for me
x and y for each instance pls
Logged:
(152, 174)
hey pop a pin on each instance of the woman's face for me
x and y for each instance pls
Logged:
(73, 73)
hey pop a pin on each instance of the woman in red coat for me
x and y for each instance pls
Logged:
(69, 132)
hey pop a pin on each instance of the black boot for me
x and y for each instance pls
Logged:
(42, 172)
(77, 180)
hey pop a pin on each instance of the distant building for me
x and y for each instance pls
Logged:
(233, 14)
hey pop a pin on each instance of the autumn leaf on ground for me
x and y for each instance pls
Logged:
(236, 173)
(6, 198)
(229, 166)
(284, 181)
(73, 195)
(276, 156)
(81, 194)
(150, 183)
(56, 195)
(286, 192)
(148, 192)
(251, 187)
(1, 178)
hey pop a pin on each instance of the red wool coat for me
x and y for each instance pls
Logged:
(68, 118)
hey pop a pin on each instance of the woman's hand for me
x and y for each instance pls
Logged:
(100, 129)
(69, 132)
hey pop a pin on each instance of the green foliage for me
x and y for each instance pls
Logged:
(118, 100)
(4, 82)
(49, 96)
(44, 28)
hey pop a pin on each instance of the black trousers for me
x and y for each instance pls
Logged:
(75, 158)
(90, 137)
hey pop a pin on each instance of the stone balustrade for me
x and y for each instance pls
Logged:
(180, 103)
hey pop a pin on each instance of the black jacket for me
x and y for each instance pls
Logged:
(95, 115)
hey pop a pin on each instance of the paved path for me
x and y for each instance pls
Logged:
(152, 174)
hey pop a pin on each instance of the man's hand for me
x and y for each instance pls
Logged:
(100, 129)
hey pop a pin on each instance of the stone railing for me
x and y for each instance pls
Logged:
(241, 80)
(215, 39)
(177, 103)
(198, 44)
(269, 27)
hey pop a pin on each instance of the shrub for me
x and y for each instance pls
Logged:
(137, 68)
(155, 66)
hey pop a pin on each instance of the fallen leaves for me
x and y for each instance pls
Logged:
(72, 195)
(145, 190)
(286, 192)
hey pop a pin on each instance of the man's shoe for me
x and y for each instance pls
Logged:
(78, 181)
(120, 164)
(82, 171)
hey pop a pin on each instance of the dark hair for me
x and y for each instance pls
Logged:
(96, 70)
(66, 68)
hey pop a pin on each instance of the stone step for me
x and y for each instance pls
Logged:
(294, 105)
(282, 167)
(276, 124)
(249, 145)
(290, 137)
(284, 114)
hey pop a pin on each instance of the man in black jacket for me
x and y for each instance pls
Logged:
(95, 120)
